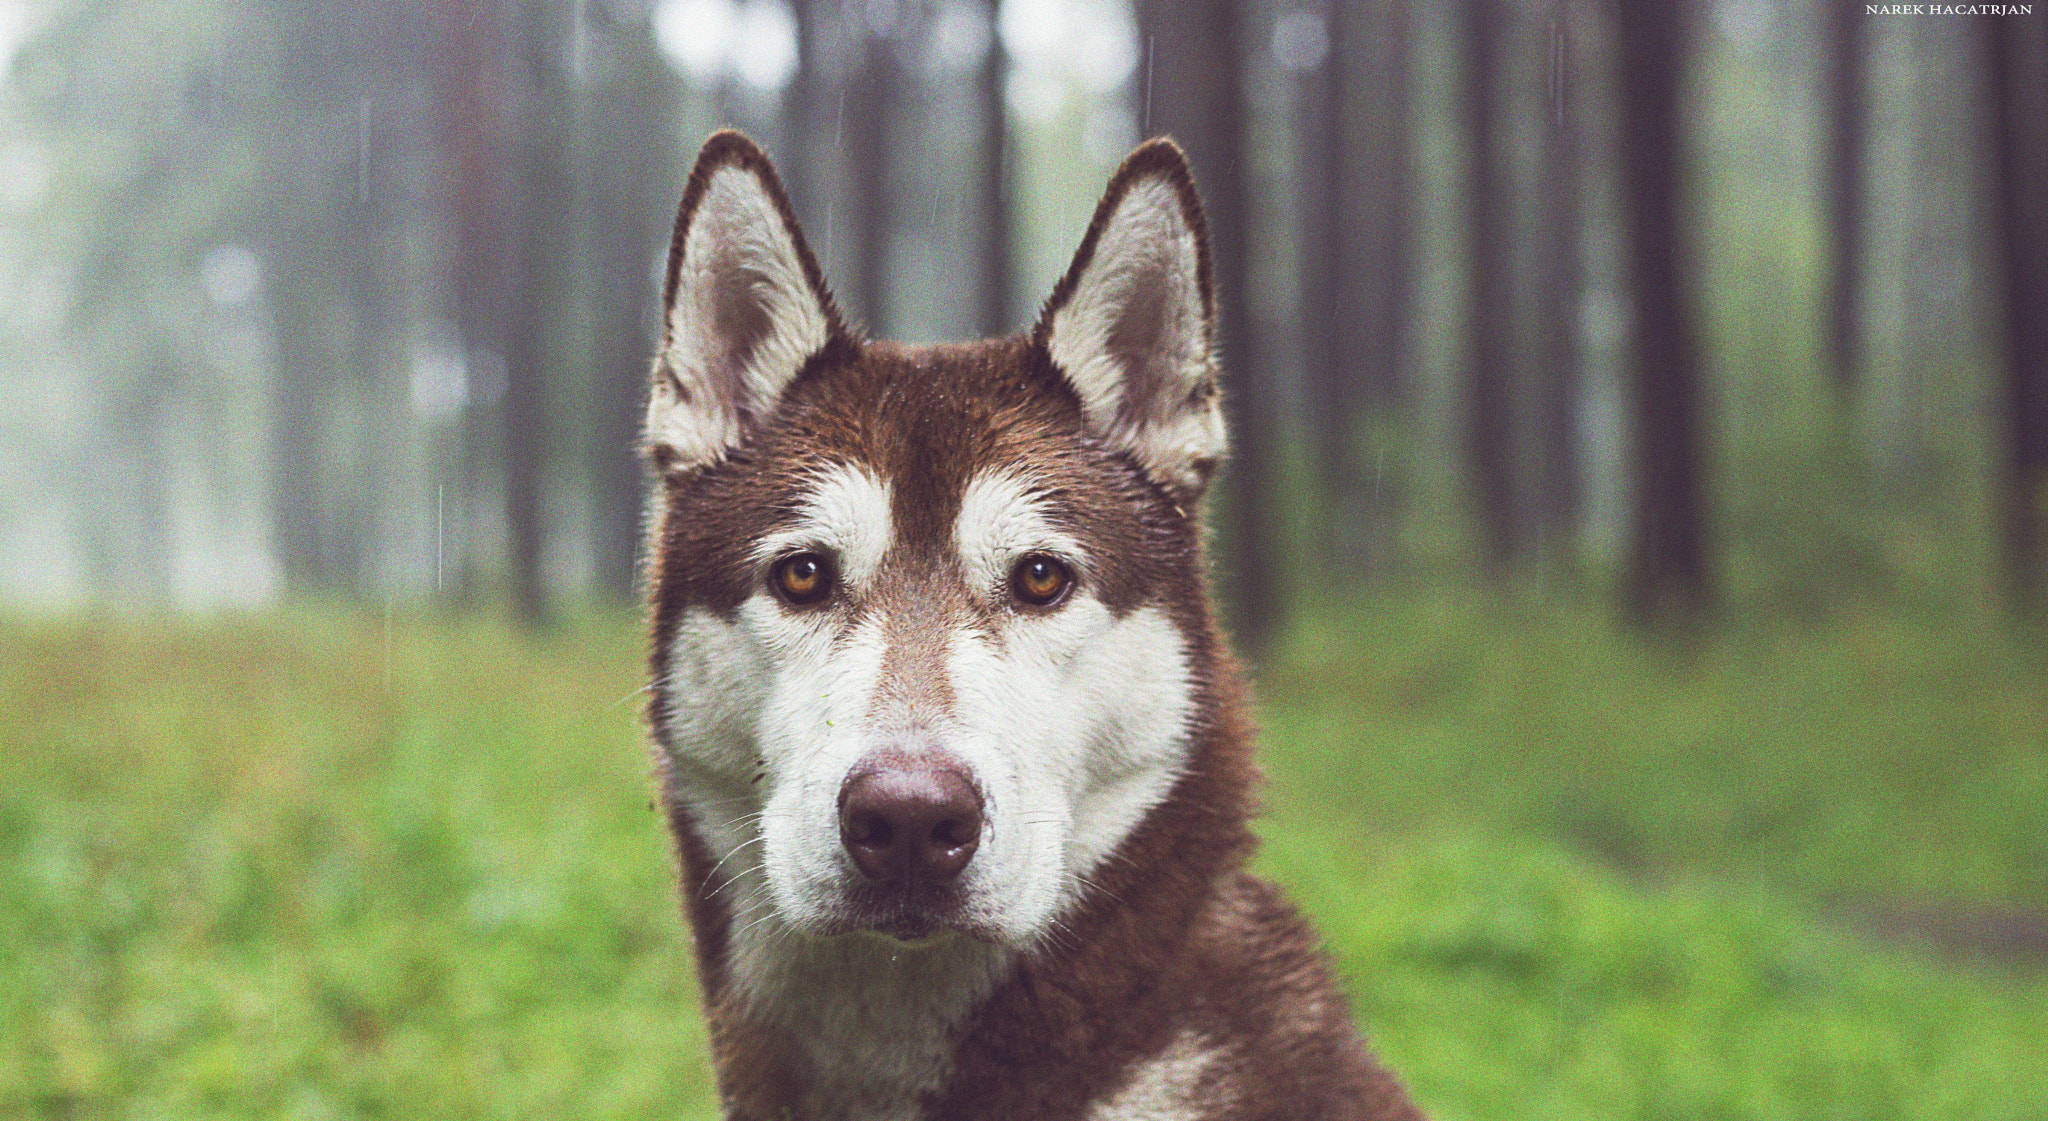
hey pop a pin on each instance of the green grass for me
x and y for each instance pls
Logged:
(298, 865)
(1881, 757)
(284, 867)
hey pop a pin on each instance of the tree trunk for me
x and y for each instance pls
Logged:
(797, 162)
(1560, 287)
(1195, 72)
(1668, 581)
(538, 291)
(2016, 69)
(633, 188)
(1392, 256)
(299, 389)
(1848, 114)
(476, 72)
(340, 315)
(1330, 371)
(1371, 48)
(1489, 432)
(870, 108)
(993, 253)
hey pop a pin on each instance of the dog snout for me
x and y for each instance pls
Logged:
(910, 820)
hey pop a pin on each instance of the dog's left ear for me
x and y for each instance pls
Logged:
(744, 307)
(1132, 325)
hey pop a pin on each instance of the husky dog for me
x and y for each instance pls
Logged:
(957, 762)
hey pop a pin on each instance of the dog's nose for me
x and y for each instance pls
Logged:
(909, 820)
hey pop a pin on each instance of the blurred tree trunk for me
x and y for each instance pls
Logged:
(539, 291)
(796, 163)
(1848, 115)
(332, 230)
(137, 565)
(373, 292)
(1195, 66)
(1370, 48)
(1329, 295)
(2016, 70)
(870, 110)
(628, 123)
(405, 153)
(476, 81)
(1489, 433)
(1668, 581)
(1932, 314)
(1560, 287)
(386, 74)
(374, 413)
(995, 215)
(299, 389)
(1389, 88)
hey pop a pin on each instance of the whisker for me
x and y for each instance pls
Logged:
(743, 931)
(647, 688)
(713, 873)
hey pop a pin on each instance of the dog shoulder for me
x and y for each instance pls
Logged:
(1261, 1030)
(1279, 1040)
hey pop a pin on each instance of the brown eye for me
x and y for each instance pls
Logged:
(802, 578)
(1040, 580)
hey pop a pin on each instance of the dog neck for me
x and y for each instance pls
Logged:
(857, 1026)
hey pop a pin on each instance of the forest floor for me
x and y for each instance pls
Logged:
(320, 864)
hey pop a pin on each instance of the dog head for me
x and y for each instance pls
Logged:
(930, 631)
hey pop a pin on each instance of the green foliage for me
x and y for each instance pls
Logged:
(1570, 875)
(1820, 491)
(314, 865)
(1507, 979)
(1881, 755)
(299, 867)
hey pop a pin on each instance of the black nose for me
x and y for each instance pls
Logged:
(909, 820)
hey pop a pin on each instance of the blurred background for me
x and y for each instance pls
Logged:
(1731, 304)
(1638, 518)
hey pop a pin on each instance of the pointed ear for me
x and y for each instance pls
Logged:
(1132, 324)
(744, 307)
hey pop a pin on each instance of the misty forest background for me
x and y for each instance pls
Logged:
(1638, 519)
(1733, 305)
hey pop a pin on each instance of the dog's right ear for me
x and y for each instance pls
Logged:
(1132, 325)
(744, 308)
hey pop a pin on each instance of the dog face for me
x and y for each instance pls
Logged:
(923, 615)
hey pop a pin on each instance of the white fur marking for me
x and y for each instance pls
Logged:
(1165, 1087)
(874, 1017)
(1074, 720)
(1002, 518)
(846, 512)
(781, 695)
(1076, 723)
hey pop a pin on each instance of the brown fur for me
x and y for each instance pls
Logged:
(1173, 936)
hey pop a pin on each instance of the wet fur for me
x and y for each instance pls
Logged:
(1173, 984)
